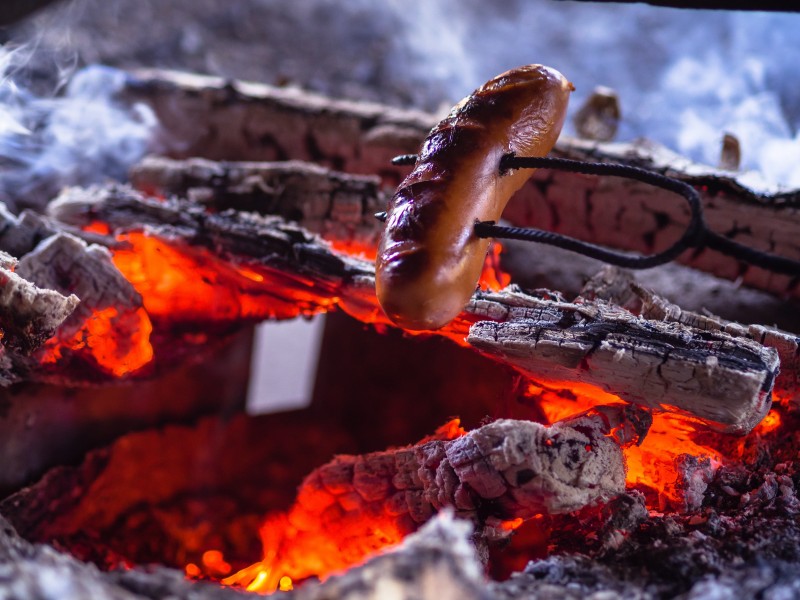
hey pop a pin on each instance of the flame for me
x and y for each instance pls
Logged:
(188, 283)
(492, 276)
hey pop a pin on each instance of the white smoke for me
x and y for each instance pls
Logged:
(685, 77)
(76, 133)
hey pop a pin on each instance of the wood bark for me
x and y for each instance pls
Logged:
(212, 118)
(721, 379)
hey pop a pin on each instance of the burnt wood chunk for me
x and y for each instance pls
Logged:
(29, 314)
(507, 470)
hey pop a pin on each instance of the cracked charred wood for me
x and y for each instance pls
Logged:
(787, 345)
(713, 376)
(223, 120)
(722, 379)
(335, 205)
(29, 314)
(508, 470)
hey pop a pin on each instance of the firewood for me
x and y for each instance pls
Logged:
(787, 345)
(335, 205)
(223, 120)
(507, 470)
(723, 380)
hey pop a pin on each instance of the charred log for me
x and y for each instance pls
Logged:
(722, 379)
(29, 314)
(505, 471)
(337, 206)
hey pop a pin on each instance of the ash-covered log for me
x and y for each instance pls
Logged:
(723, 380)
(720, 378)
(245, 121)
(506, 471)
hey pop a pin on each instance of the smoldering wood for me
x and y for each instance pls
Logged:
(723, 380)
(333, 204)
(39, 571)
(29, 314)
(257, 122)
(506, 470)
(439, 561)
(787, 345)
(225, 473)
(623, 288)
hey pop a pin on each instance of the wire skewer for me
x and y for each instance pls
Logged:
(696, 236)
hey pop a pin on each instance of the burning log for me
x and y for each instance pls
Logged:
(506, 471)
(719, 378)
(259, 122)
(713, 376)
(335, 205)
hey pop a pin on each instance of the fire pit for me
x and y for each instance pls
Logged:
(576, 430)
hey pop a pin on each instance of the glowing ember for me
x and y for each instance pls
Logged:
(116, 354)
(186, 283)
(492, 276)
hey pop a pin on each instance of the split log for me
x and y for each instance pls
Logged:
(223, 120)
(786, 345)
(507, 470)
(337, 206)
(724, 381)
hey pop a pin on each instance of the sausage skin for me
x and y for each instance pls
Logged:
(429, 259)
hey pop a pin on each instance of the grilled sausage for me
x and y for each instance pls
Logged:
(429, 259)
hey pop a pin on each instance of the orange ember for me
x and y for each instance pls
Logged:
(188, 283)
(770, 423)
(99, 337)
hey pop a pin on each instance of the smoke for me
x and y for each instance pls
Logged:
(60, 126)
(685, 77)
